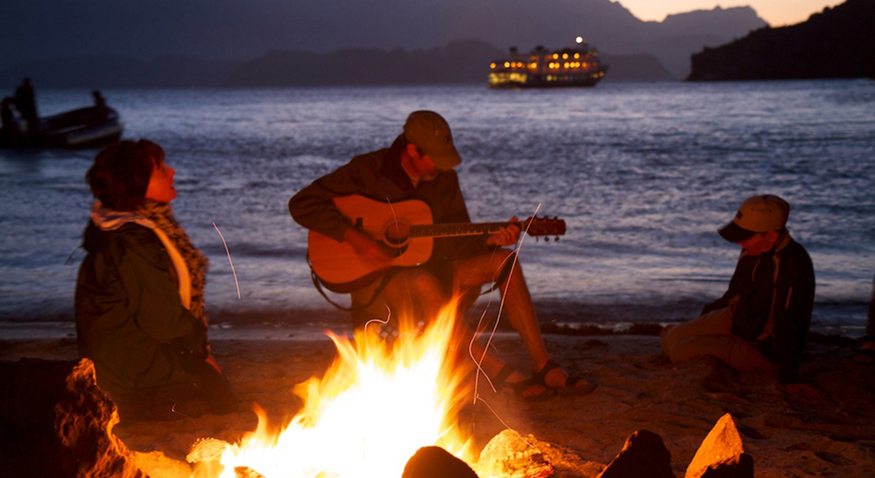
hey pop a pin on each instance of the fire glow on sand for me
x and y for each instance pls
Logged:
(376, 405)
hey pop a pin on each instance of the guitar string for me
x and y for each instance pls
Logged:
(498, 316)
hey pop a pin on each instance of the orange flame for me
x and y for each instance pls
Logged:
(375, 406)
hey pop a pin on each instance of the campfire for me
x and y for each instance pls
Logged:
(376, 405)
(380, 410)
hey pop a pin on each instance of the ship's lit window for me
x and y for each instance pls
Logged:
(576, 55)
(565, 56)
(507, 64)
(492, 66)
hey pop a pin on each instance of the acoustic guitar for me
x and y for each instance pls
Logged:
(406, 228)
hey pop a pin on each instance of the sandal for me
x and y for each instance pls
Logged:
(571, 386)
(519, 388)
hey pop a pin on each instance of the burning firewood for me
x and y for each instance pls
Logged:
(207, 450)
(509, 456)
(246, 472)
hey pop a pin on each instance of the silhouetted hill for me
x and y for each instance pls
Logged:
(463, 61)
(459, 62)
(719, 22)
(705, 28)
(642, 67)
(237, 30)
(114, 71)
(837, 43)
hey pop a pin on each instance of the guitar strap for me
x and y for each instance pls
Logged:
(317, 282)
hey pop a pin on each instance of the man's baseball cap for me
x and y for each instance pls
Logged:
(757, 214)
(430, 132)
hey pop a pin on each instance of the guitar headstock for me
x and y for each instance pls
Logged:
(544, 226)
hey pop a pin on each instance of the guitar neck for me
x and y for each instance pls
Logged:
(458, 229)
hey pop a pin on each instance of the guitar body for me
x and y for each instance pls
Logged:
(405, 227)
(337, 264)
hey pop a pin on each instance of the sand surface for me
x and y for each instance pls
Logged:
(831, 433)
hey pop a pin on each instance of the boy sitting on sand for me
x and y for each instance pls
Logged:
(762, 321)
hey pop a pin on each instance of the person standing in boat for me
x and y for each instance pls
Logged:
(25, 102)
(139, 300)
(100, 105)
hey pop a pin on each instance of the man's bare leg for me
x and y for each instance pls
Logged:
(517, 305)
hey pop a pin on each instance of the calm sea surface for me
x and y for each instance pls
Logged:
(643, 174)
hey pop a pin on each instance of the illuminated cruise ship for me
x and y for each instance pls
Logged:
(541, 68)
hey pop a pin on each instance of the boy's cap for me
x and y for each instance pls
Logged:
(757, 214)
(430, 132)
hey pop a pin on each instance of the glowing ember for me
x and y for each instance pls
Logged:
(376, 405)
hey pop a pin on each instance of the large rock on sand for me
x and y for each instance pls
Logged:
(721, 453)
(644, 455)
(435, 462)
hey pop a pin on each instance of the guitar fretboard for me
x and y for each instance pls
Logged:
(459, 229)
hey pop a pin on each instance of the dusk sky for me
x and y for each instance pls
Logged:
(246, 29)
(776, 12)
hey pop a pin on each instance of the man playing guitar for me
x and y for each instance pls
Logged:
(418, 168)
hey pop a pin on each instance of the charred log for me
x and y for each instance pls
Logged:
(56, 422)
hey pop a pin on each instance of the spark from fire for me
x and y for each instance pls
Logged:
(228, 252)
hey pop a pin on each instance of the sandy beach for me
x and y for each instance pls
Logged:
(832, 434)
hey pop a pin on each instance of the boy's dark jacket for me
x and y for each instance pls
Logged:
(779, 285)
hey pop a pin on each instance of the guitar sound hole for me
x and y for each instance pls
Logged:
(397, 233)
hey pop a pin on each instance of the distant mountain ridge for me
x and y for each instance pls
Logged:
(463, 61)
(458, 62)
(836, 43)
(237, 31)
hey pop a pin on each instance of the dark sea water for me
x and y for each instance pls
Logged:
(643, 174)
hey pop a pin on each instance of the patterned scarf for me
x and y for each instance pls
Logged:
(197, 262)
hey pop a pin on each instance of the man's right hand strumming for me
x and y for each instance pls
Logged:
(367, 248)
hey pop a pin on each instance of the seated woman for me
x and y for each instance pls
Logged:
(140, 293)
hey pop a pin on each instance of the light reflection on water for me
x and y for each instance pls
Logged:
(643, 174)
